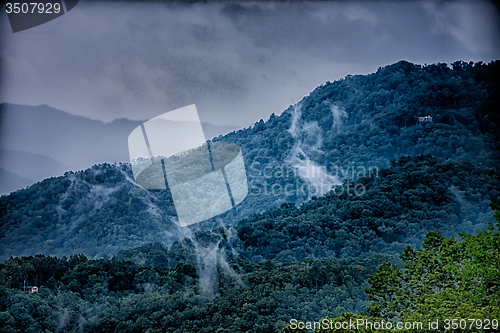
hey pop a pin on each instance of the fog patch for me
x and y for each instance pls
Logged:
(308, 139)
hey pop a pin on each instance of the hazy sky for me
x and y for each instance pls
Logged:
(238, 62)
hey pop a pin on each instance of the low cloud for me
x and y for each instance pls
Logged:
(238, 62)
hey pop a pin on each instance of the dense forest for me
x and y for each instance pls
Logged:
(355, 210)
(168, 292)
(123, 296)
(415, 195)
(447, 285)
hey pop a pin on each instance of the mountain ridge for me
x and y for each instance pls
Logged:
(29, 166)
(353, 124)
(76, 142)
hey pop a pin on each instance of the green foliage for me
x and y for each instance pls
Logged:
(446, 279)
(450, 283)
(385, 292)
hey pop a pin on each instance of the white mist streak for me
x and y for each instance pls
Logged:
(209, 257)
(339, 115)
(308, 140)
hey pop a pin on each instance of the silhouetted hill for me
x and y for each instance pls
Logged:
(30, 166)
(9, 181)
(59, 141)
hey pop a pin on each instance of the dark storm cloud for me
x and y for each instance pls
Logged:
(237, 61)
(127, 63)
(364, 32)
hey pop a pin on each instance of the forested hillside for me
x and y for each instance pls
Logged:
(164, 290)
(122, 296)
(397, 208)
(349, 129)
(355, 210)
(447, 285)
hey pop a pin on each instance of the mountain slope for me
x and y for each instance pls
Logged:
(93, 212)
(347, 129)
(377, 214)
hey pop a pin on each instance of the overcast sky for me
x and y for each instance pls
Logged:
(237, 62)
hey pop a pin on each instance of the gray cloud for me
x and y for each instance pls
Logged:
(238, 62)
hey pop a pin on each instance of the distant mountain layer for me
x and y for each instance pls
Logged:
(63, 142)
(349, 129)
(30, 166)
(9, 181)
